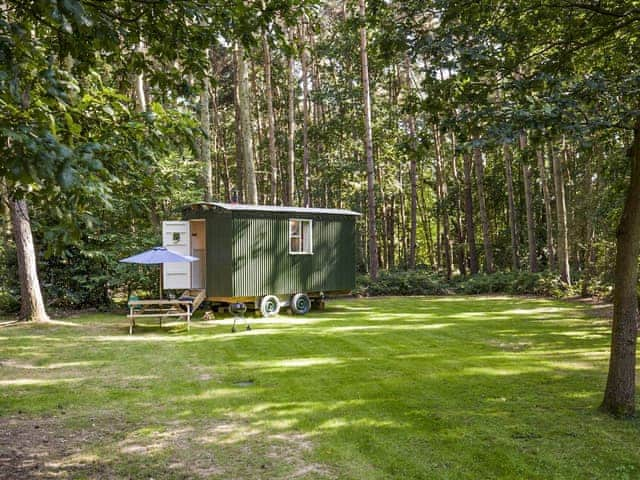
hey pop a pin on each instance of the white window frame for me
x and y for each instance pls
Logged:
(300, 235)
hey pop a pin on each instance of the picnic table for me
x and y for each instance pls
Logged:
(162, 308)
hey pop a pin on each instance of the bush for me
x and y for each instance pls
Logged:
(422, 282)
(414, 282)
(9, 302)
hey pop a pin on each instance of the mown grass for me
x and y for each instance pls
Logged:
(407, 388)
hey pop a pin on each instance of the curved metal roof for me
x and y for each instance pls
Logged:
(240, 207)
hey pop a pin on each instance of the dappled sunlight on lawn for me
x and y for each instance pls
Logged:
(38, 381)
(370, 388)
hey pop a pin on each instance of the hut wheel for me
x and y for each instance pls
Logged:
(269, 306)
(300, 303)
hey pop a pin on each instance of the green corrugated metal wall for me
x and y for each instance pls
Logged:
(248, 254)
(263, 264)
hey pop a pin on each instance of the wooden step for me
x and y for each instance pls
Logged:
(198, 297)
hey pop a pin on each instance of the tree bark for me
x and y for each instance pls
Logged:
(413, 178)
(306, 194)
(561, 214)
(240, 183)
(244, 103)
(528, 201)
(271, 119)
(513, 222)
(368, 147)
(531, 226)
(413, 175)
(619, 395)
(443, 201)
(291, 137)
(460, 253)
(205, 144)
(547, 206)
(138, 86)
(468, 215)
(31, 303)
(486, 234)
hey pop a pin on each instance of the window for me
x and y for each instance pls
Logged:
(300, 236)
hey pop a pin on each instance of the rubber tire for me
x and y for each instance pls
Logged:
(269, 306)
(300, 303)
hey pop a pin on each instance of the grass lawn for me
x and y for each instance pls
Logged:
(407, 388)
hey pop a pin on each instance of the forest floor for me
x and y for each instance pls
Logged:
(381, 388)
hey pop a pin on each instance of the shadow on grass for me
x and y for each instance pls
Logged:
(391, 388)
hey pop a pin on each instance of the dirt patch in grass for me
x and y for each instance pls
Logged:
(109, 447)
(599, 307)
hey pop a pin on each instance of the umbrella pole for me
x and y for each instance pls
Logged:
(161, 275)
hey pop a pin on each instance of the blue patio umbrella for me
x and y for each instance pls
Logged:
(159, 255)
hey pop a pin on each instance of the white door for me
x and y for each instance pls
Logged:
(198, 250)
(176, 236)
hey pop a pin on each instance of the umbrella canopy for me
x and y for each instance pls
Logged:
(159, 255)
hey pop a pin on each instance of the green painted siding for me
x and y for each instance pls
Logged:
(263, 264)
(248, 253)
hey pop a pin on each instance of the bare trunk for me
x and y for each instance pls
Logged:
(531, 226)
(587, 267)
(368, 148)
(561, 214)
(426, 226)
(306, 195)
(468, 215)
(31, 302)
(513, 222)
(240, 184)
(484, 218)
(460, 253)
(528, 201)
(273, 156)
(291, 138)
(244, 104)
(205, 145)
(547, 206)
(443, 201)
(413, 177)
(619, 395)
(138, 85)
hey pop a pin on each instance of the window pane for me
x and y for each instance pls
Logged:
(294, 245)
(306, 237)
(294, 227)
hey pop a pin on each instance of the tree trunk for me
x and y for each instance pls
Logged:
(244, 104)
(587, 208)
(561, 213)
(240, 183)
(444, 210)
(273, 156)
(619, 395)
(460, 253)
(426, 226)
(413, 175)
(547, 206)
(205, 145)
(368, 148)
(531, 226)
(528, 201)
(468, 215)
(138, 86)
(486, 235)
(513, 222)
(413, 178)
(306, 194)
(291, 137)
(31, 302)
